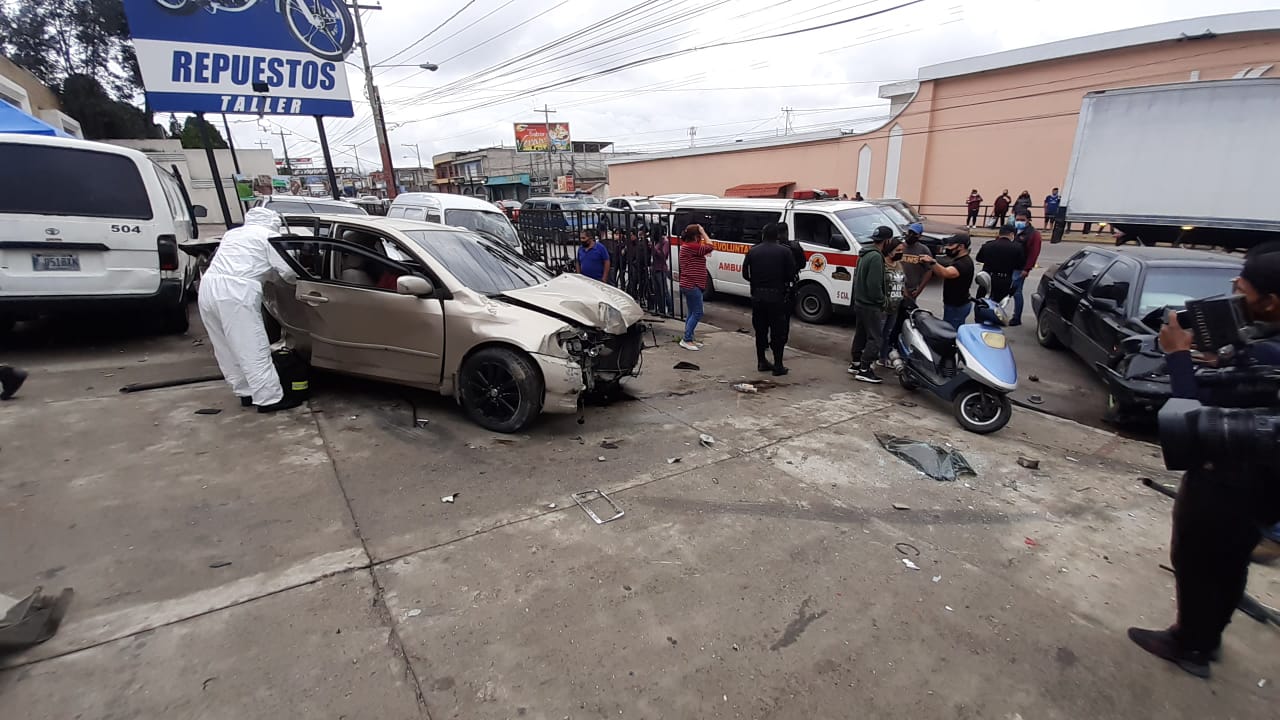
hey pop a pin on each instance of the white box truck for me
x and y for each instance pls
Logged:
(1195, 162)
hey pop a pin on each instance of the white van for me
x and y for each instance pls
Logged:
(91, 226)
(831, 232)
(458, 211)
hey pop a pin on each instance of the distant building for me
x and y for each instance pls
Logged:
(1005, 120)
(501, 173)
(24, 91)
(193, 166)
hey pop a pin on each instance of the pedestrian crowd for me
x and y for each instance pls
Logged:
(1004, 204)
(636, 261)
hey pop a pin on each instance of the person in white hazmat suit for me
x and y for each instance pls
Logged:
(231, 309)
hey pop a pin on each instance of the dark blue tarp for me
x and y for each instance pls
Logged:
(13, 120)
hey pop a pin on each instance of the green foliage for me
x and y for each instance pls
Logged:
(191, 134)
(101, 117)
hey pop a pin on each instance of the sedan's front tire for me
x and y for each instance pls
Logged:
(501, 389)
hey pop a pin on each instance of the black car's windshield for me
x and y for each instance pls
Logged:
(486, 266)
(863, 221)
(897, 215)
(484, 221)
(1174, 286)
(906, 208)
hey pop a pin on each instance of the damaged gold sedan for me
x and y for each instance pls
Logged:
(453, 311)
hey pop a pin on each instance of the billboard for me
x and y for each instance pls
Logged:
(535, 137)
(272, 57)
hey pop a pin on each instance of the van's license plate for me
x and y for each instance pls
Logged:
(55, 263)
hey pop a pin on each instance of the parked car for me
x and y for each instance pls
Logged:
(510, 208)
(456, 210)
(666, 202)
(295, 204)
(453, 311)
(904, 214)
(1101, 297)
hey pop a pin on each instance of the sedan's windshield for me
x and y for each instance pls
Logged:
(1174, 286)
(863, 221)
(479, 263)
(483, 221)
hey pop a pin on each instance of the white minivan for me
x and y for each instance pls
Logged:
(831, 233)
(91, 226)
(457, 211)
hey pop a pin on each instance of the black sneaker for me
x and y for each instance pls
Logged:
(853, 368)
(1163, 644)
(764, 366)
(11, 379)
(246, 402)
(285, 404)
(868, 376)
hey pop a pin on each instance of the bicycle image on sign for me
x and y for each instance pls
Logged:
(324, 27)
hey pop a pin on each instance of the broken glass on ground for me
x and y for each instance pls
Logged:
(937, 462)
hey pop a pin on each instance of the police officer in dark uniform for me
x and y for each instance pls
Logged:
(771, 269)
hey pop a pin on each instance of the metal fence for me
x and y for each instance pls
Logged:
(640, 255)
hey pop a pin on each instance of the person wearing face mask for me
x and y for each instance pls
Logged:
(1221, 506)
(1001, 259)
(956, 272)
(593, 257)
(1029, 238)
(895, 280)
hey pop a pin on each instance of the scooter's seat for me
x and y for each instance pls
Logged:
(934, 329)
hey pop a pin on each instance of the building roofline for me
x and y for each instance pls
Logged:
(1211, 25)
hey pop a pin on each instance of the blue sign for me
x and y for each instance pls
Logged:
(269, 57)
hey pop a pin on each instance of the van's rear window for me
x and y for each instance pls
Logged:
(44, 180)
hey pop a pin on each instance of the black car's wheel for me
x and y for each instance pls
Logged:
(501, 389)
(1044, 334)
(813, 304)
(981, 409)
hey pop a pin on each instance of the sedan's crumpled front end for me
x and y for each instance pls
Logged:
(605, 358)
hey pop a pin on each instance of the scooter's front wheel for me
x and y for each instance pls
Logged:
(907, 382)
(982, 410)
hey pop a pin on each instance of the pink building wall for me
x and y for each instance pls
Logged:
(1006, 128)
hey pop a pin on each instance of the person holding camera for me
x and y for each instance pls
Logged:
(1226, 496)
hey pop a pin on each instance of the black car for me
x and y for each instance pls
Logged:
(1100, 296)
(903, 214)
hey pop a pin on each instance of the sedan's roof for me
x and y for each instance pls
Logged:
(375, 222)
(1168, 256)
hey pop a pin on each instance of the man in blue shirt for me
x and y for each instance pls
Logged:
(593, 258)
(1052, 202)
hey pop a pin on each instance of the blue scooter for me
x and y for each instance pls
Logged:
(971, 368)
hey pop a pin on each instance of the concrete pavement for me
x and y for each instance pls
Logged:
(759, 577)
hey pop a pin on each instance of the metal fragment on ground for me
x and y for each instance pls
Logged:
(587, 496)
(706, 440)
(747, 388)
(449, 498)
(1028, 463)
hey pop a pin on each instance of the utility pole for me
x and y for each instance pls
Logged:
(355, 151)
(786, 111)
(693, 133)
(263, 144)
(375, 102)
(417, 173)
(285, 146)
(546, 116)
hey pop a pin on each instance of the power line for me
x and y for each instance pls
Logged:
(424, 37)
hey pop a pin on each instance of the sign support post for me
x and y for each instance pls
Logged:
(328, 159)
(213, 168)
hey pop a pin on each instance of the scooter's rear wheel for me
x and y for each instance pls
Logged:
(979, 409)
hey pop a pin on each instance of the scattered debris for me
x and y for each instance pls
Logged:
(1086, 487)
(901, 506)
(673, 461)
(902, 547)
(1261, 683)
(502, 441)
(910, 565)
(1033, 378)
(1029, 463)
(685, 365)
(706, 440)
(197, 342)
(586, 496)
(449, 498)
(907, 403)
(948, 608)
(735, 649)
(1160, 487)
(33, 619)
(609, 444)
(420, 422)
(1071, 459)
(744, 331)
(601, 459)
(1029, 542)
(219, 564)
(935, 461)
(715, 481)
(745, 388)
(205, 685)
(937, 578)
(1035, 399)
(414, 612)
(208, 411)
(551, 506)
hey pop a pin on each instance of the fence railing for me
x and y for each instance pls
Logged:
(640, 256)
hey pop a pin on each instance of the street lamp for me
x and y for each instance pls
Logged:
(422, 66)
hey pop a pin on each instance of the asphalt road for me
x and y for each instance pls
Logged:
(1065, 385)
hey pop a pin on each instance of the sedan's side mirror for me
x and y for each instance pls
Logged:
(199, 211)
(414, 285)
(1106, 304)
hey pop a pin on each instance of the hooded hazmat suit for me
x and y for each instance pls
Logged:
(231, 306)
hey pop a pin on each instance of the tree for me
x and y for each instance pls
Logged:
(101, 117)
(191, 134)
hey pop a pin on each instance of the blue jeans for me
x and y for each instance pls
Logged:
(693, 304)
(1019, 278)
(956, 315)
(661, 280)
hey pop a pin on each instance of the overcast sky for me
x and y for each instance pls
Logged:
(830, 77)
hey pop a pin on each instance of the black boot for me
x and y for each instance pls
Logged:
(778, 368)
(762, 364)
(1163, 644)
(11, 378)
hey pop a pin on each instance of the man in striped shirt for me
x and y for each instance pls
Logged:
(695, 246)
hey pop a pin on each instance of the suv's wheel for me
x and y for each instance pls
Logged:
(813, 305)
(174, 319)
(1044, 334)
(501, 389)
